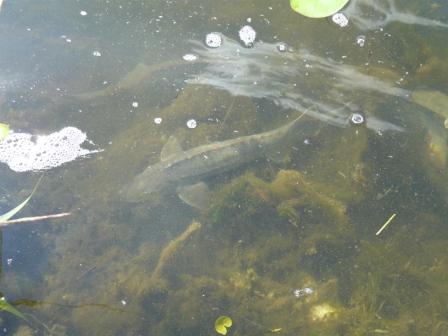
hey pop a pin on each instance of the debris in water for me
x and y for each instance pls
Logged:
(386, 224)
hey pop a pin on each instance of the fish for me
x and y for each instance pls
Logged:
(185, 170)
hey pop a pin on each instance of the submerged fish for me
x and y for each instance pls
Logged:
(184, 170)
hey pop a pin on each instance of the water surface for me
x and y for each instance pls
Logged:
(287, 243)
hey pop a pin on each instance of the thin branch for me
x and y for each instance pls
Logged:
(32, 219)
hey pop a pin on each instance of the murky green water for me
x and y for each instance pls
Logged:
(285, 242)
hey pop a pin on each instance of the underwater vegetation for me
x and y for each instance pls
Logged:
(288, 243)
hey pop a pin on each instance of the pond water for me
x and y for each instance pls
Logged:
(224, 158)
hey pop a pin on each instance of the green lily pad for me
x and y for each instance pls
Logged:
(222, 323)
(4, 131)
(317, 8)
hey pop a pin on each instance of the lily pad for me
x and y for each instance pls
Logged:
(317, 8)
(222, 323)
(4, 131)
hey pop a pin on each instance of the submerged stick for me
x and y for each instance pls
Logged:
(386, 224)
(33, 219)
(173, 246)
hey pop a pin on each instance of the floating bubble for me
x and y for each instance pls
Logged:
(357, 119)
(96, 53)
(360, 40)
(157, 121)
(340, 19)
(282, 47)
(27, 152)
(189, 57)
(83, 13)
(247, 35)
(213, 40)
(298, 293)
(135, 104)
(192, 123)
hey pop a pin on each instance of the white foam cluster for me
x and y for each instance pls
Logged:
(26, 152)
(213, 40)
(247, 35)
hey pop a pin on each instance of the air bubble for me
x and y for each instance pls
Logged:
(213, 40)
(357, 119)
(192, 123)
(282, 47)
(189, 57)
(361, 40)
(340, 19)
(247, 35)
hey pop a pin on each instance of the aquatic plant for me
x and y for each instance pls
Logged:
(317, 8)
(4, 305)
(6, 216)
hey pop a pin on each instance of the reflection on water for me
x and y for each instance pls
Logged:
(371, 15)
(286, 243)
(289, 79)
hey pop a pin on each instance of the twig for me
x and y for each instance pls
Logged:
(386, 224)
(33, 219)
(173, 246)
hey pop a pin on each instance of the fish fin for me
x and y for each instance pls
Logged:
(172, 147)
(195, 195)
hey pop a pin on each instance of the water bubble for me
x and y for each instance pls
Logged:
(213, 40)
(192, 123)
(282, 47)
(298, 293)
(96, 53)
(247, 35)
(340, 19)
(157, 121)
(357, 119)
(360, 40)
(189, 57)
(83, 13)
(135, 104)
